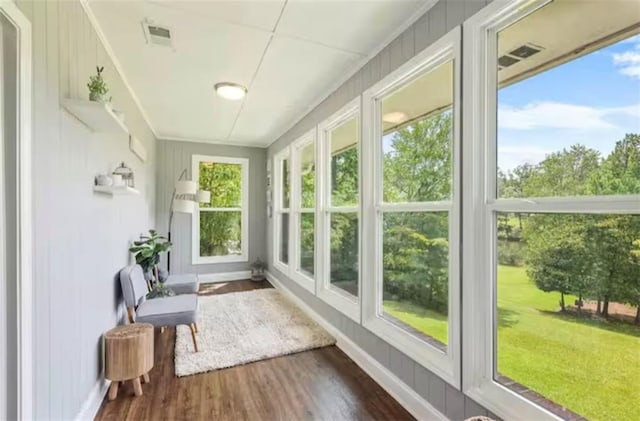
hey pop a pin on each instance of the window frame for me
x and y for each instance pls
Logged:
(446, 365)
(479, 251)
(296, 210)
(197, 259)
(342, 301)
(279, 210)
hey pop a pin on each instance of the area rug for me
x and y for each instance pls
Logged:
(243, 327)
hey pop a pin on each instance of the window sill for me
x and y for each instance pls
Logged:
(220, 259)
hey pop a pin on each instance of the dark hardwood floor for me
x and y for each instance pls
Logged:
(322, 384)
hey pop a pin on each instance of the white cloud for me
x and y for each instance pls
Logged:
(510, 157)
(553, 115)
(629, 61)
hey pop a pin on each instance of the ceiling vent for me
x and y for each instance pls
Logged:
(157, 34)
(517, 55)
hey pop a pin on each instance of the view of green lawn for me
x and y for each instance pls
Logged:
(590, 366)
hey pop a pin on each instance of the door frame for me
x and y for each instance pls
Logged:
(24, 287)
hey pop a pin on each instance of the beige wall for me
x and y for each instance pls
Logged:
(81, 238)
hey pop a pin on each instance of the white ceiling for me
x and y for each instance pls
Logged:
(290, 54)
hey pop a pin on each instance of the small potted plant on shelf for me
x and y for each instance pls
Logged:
(258, 268)
(98, 89)
(147, 253)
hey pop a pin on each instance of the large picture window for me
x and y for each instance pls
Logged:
(220, 227)
(553, 221)
(413, 116)
(340, 222)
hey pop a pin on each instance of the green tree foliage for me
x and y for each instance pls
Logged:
(220, 232)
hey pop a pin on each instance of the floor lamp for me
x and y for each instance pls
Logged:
(184, 199)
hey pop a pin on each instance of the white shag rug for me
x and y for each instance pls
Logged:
(242, 327)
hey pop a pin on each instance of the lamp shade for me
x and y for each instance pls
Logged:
(186, 187)
(183, 206)
(203, 196)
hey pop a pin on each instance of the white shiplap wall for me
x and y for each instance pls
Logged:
(81, 238)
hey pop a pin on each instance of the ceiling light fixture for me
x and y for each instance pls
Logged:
(395, 117)
(232, 91)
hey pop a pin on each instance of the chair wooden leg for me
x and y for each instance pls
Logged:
(145, 377)
(137, 387)
(162, 329)
(113, 390)
(195, 325)
(130, 314)
(193, 335)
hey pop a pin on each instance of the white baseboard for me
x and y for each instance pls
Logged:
(209, 278)
(91, 406)
(405, 395)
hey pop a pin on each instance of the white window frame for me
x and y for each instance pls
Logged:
(481, 203)
(295, 204)
(342, 301)
(243, 209)
(278, 210)
(444, 364)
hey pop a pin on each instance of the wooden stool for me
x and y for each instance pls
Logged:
(128, 355)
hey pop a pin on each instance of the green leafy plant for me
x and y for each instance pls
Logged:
(97, 86)
(160, 290)
(147, 252)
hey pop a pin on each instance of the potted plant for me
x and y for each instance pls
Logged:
(147, 253)
(257, 270)
(98, 87)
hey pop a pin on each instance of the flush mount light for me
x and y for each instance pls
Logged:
(228, 90)
(395, 117)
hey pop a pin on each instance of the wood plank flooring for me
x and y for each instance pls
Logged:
(322, 384)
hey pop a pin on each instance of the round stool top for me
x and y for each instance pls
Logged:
(128, 331)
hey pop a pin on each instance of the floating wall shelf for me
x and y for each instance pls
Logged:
(115, 190)
(96, 116)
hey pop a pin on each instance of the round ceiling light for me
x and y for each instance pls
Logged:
(395, 117)
(228, 90)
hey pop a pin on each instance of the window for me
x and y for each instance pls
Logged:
(282, 210)
(304, 209)
(340, 221)
(552, 260)
(415, 223)
(220, 227)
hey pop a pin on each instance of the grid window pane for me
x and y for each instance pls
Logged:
(225, 183)
(344, 252)
(417, 139)
(220, 233)
(308, 176)
(283, 255)
(344, 163)
(307, 243)
(416, 273)
(567, 307)
(286, 194)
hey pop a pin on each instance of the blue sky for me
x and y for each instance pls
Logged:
(593, 100)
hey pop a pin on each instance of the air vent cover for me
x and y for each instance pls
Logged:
(525, 51)
(506, 61)
(157, 34)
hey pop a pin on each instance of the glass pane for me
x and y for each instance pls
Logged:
(308, 175)
(224, 181)
(416, 273)
(285, 184)
(569, 116)
(417, 139)
(220, 233)
(344, 252)
(344, 163)
(307, 245)
(567, 307)
(284, 239)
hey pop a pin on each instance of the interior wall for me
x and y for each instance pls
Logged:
(81, 238)
(436, 22)
(173, 158)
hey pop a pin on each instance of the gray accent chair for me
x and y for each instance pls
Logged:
(181, 284)
(165, 311)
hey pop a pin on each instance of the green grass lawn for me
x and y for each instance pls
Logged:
(589, 366)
